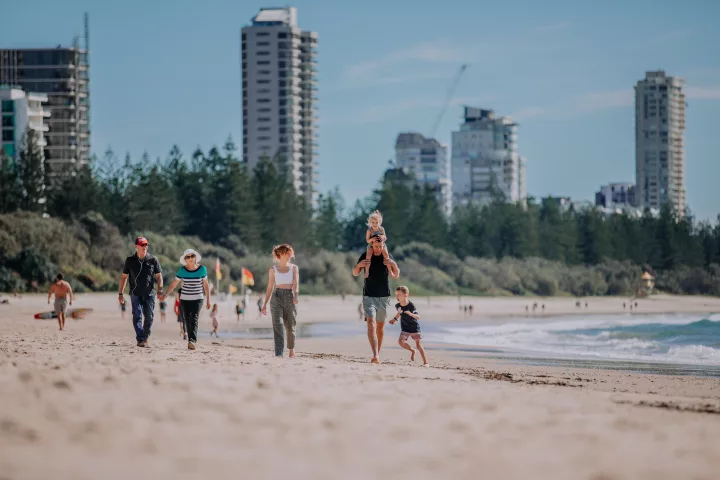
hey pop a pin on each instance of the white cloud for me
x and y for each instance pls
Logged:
(440, 51)
(390, 79)
(392, 110)
(669, 36)
(529, 112)
(595, 101)
(703, 93)
(382, 69)
(550, 28)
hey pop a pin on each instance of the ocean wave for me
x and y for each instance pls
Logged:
(659, 338)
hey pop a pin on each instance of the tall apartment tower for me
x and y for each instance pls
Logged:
(279, 96)
(61, 73)
(429, 162)
(21, 111)
(485, 159)
(659, 143)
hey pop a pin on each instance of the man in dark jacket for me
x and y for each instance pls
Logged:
(144, 272)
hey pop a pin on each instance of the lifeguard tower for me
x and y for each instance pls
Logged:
(646, 285)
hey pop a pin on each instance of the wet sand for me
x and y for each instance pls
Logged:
(86, 403)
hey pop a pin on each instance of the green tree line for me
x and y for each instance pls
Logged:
(213, 196)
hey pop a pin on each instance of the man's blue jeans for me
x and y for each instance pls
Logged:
(142, 306)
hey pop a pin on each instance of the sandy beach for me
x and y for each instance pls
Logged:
(86, 403)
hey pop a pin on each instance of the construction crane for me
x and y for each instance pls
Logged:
(448, 98)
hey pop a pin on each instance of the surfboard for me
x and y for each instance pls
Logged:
(79, 312)
(75, 313)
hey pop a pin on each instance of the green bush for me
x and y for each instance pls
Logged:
(9, 281)
(697, 281)
(9, 247)
(34, 266)
(546, 287)
(91, 252)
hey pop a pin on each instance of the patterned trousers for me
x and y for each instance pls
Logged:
(283, 311)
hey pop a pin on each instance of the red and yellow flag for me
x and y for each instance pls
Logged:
(218, 274)
(247, 277)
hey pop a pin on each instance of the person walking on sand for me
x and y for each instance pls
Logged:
(144, 273)
(283, 287)
(194, 289)
(62, 291)
(376, 292)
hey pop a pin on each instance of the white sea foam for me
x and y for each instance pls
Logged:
(596, 337)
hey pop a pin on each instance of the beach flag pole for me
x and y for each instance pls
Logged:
(218, 276)
(242, 283)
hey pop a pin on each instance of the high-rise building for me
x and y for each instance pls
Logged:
(485, 161)
(279, 95)
(21, 112)
(659, 150)
(428, 161)
(615, 195)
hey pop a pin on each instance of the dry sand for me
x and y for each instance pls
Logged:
(88, 404)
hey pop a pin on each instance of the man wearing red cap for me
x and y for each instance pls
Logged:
(144, 271)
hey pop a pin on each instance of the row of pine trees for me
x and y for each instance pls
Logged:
(212, 195)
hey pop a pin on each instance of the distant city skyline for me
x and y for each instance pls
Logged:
(554, 68)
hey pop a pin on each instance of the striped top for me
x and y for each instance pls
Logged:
(192, 287)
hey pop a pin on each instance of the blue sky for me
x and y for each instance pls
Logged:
(565, 70)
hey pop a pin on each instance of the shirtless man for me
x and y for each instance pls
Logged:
(62, 291)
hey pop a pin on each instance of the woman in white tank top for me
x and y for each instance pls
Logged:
(283, 287)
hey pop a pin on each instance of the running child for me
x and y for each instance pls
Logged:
(214, 314)
(409, 325)
(180, 319)
(375, 229)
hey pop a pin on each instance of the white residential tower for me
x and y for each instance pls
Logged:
(279, 95)
(485, 160)
(659, 147)
(21, 112)
(428, 161)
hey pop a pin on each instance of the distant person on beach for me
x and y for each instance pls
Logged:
(195, 289)
(179, 317)
(239, 310)
(144, 272)
(376, 292)
(214, 316)
(62, 291)
(284, 288)
(374, 232)
(409, 325)
(163, 308)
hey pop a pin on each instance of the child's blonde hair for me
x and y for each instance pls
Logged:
(375, 214)
(404, 289)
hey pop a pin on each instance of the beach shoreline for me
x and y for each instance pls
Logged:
(93, 405)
